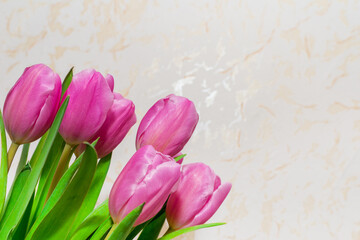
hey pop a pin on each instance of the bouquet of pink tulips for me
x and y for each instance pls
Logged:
(53, 199)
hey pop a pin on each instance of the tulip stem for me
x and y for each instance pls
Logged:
(11, 153)
(61, 168)
(111, 231)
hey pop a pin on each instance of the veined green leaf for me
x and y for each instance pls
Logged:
(21, 229)
(67, 81)
(56, 224)
(16, 189)
(144, 225)
(94, 191)
(3, 165)
(122, 230)
(57, 193)
(92, 222)
(135, 231)
(102, 230)
(23, 158)
(45, 178)
(189, 229)
(16, 213)
(38, 149)
(152, 230)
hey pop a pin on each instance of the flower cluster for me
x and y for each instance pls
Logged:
(152, 186)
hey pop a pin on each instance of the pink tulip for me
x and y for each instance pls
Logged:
(90, 100)
(31, 105)
(148, 178)
(110, 80)
(120, 118)
(168, 125)
(198, 196)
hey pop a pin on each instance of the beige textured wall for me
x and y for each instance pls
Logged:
(276, 83)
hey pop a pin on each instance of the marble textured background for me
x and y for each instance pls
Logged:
(276, 84)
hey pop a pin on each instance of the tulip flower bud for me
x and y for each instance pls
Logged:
(120, 118)
(148, 177)
(198, 196)
(31, 105)
(90, 100)
(168, 125)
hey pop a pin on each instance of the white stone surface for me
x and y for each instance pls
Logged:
(276, 84)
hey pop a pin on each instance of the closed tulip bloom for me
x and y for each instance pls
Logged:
(31, 105)
(168, 125)
(148, 177)
(90, 100)
(120, 118)
(198, 196)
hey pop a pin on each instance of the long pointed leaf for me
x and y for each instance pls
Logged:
(7, 224)
(189, 229)
(92, 222)
(102, 230)
(125, 226)
(45, 178)
(67, 81)
(56, 194)
(21, 229)
(16, 189)
(56, 224)
(152, 230)
(94, 191)
(3, 165)
(135, 231)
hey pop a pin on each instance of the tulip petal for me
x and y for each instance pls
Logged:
(155, 189)
(110, 81)
(41, 87)
(168, 125)
(148, 177)
(195, 188)
(120, 118)
(212, 206)
(90, 100)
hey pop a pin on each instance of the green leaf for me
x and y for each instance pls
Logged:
(179, 157)
(3, 165)
(92, 222)
(35, 157)
(102, 230)
(56, 224)
(122, 230)
(140, 227)
(94, 191)
(45, 178)
(57, 193)
(21, 229)
(23, 158)
(189, 229)
(67, 81)
(136, 230)
(16, 189)
(16, 213)
(152, 230)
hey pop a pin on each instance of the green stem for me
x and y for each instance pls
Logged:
(61, 168)
(111, 231)
(11, 153)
